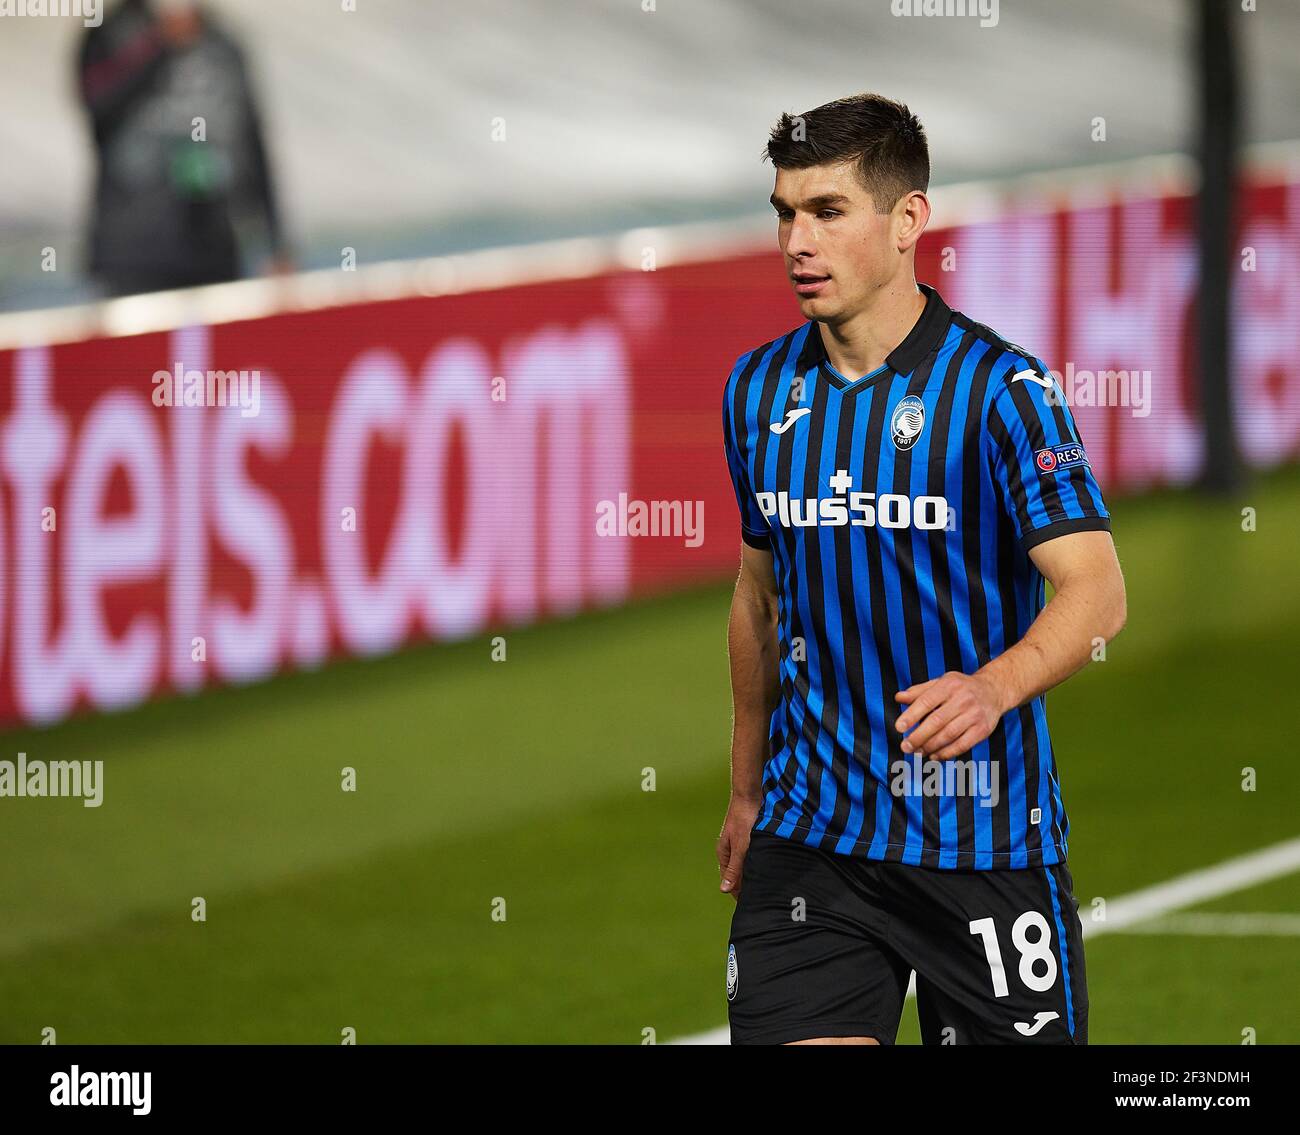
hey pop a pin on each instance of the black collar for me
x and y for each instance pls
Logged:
(926, 335)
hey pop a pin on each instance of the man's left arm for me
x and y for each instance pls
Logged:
(955, 712)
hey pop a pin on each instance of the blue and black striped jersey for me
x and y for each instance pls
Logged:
(899, 509)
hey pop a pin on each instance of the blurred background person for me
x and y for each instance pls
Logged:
(182, 169)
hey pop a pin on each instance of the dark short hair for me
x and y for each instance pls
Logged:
(885, 138)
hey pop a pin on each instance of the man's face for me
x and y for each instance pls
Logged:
(838, 250)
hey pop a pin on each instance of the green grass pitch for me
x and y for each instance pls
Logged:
(523, 781)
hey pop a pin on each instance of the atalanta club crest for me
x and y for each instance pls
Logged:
(907, 422)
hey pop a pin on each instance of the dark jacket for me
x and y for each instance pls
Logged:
(166, 206)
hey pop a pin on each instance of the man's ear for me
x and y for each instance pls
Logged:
(913, 213)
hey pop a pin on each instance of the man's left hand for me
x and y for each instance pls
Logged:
(951, 714)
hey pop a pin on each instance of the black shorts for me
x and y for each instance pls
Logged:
(823, 945)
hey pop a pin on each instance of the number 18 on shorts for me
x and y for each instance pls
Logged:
(823, 945)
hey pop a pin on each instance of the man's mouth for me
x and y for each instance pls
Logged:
(808, 283)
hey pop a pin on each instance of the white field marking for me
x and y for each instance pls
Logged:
(1198, 886)
(1204, 924)
(1143, 906)
(713, 1036)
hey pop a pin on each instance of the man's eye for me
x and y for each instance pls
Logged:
(828, 213)
(784, 214)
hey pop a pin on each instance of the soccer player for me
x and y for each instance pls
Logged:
(907, 479)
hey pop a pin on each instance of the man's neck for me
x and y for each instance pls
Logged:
(861, 344)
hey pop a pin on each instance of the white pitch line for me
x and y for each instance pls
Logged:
(1198, 886)
(1208, 925)
(1142, 906)
(713, 1036)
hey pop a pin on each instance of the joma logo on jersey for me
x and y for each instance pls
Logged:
(863, 510)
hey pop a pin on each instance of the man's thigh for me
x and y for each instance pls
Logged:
(998, 954)
(807, 956)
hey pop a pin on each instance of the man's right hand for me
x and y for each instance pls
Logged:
(733, 842)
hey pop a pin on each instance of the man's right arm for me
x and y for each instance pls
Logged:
(755, 692)
(117, 66)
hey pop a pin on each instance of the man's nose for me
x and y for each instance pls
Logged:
(800, 240)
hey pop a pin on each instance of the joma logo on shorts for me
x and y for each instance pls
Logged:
(863, 510)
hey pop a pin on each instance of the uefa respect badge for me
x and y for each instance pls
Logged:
(1064, 456)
